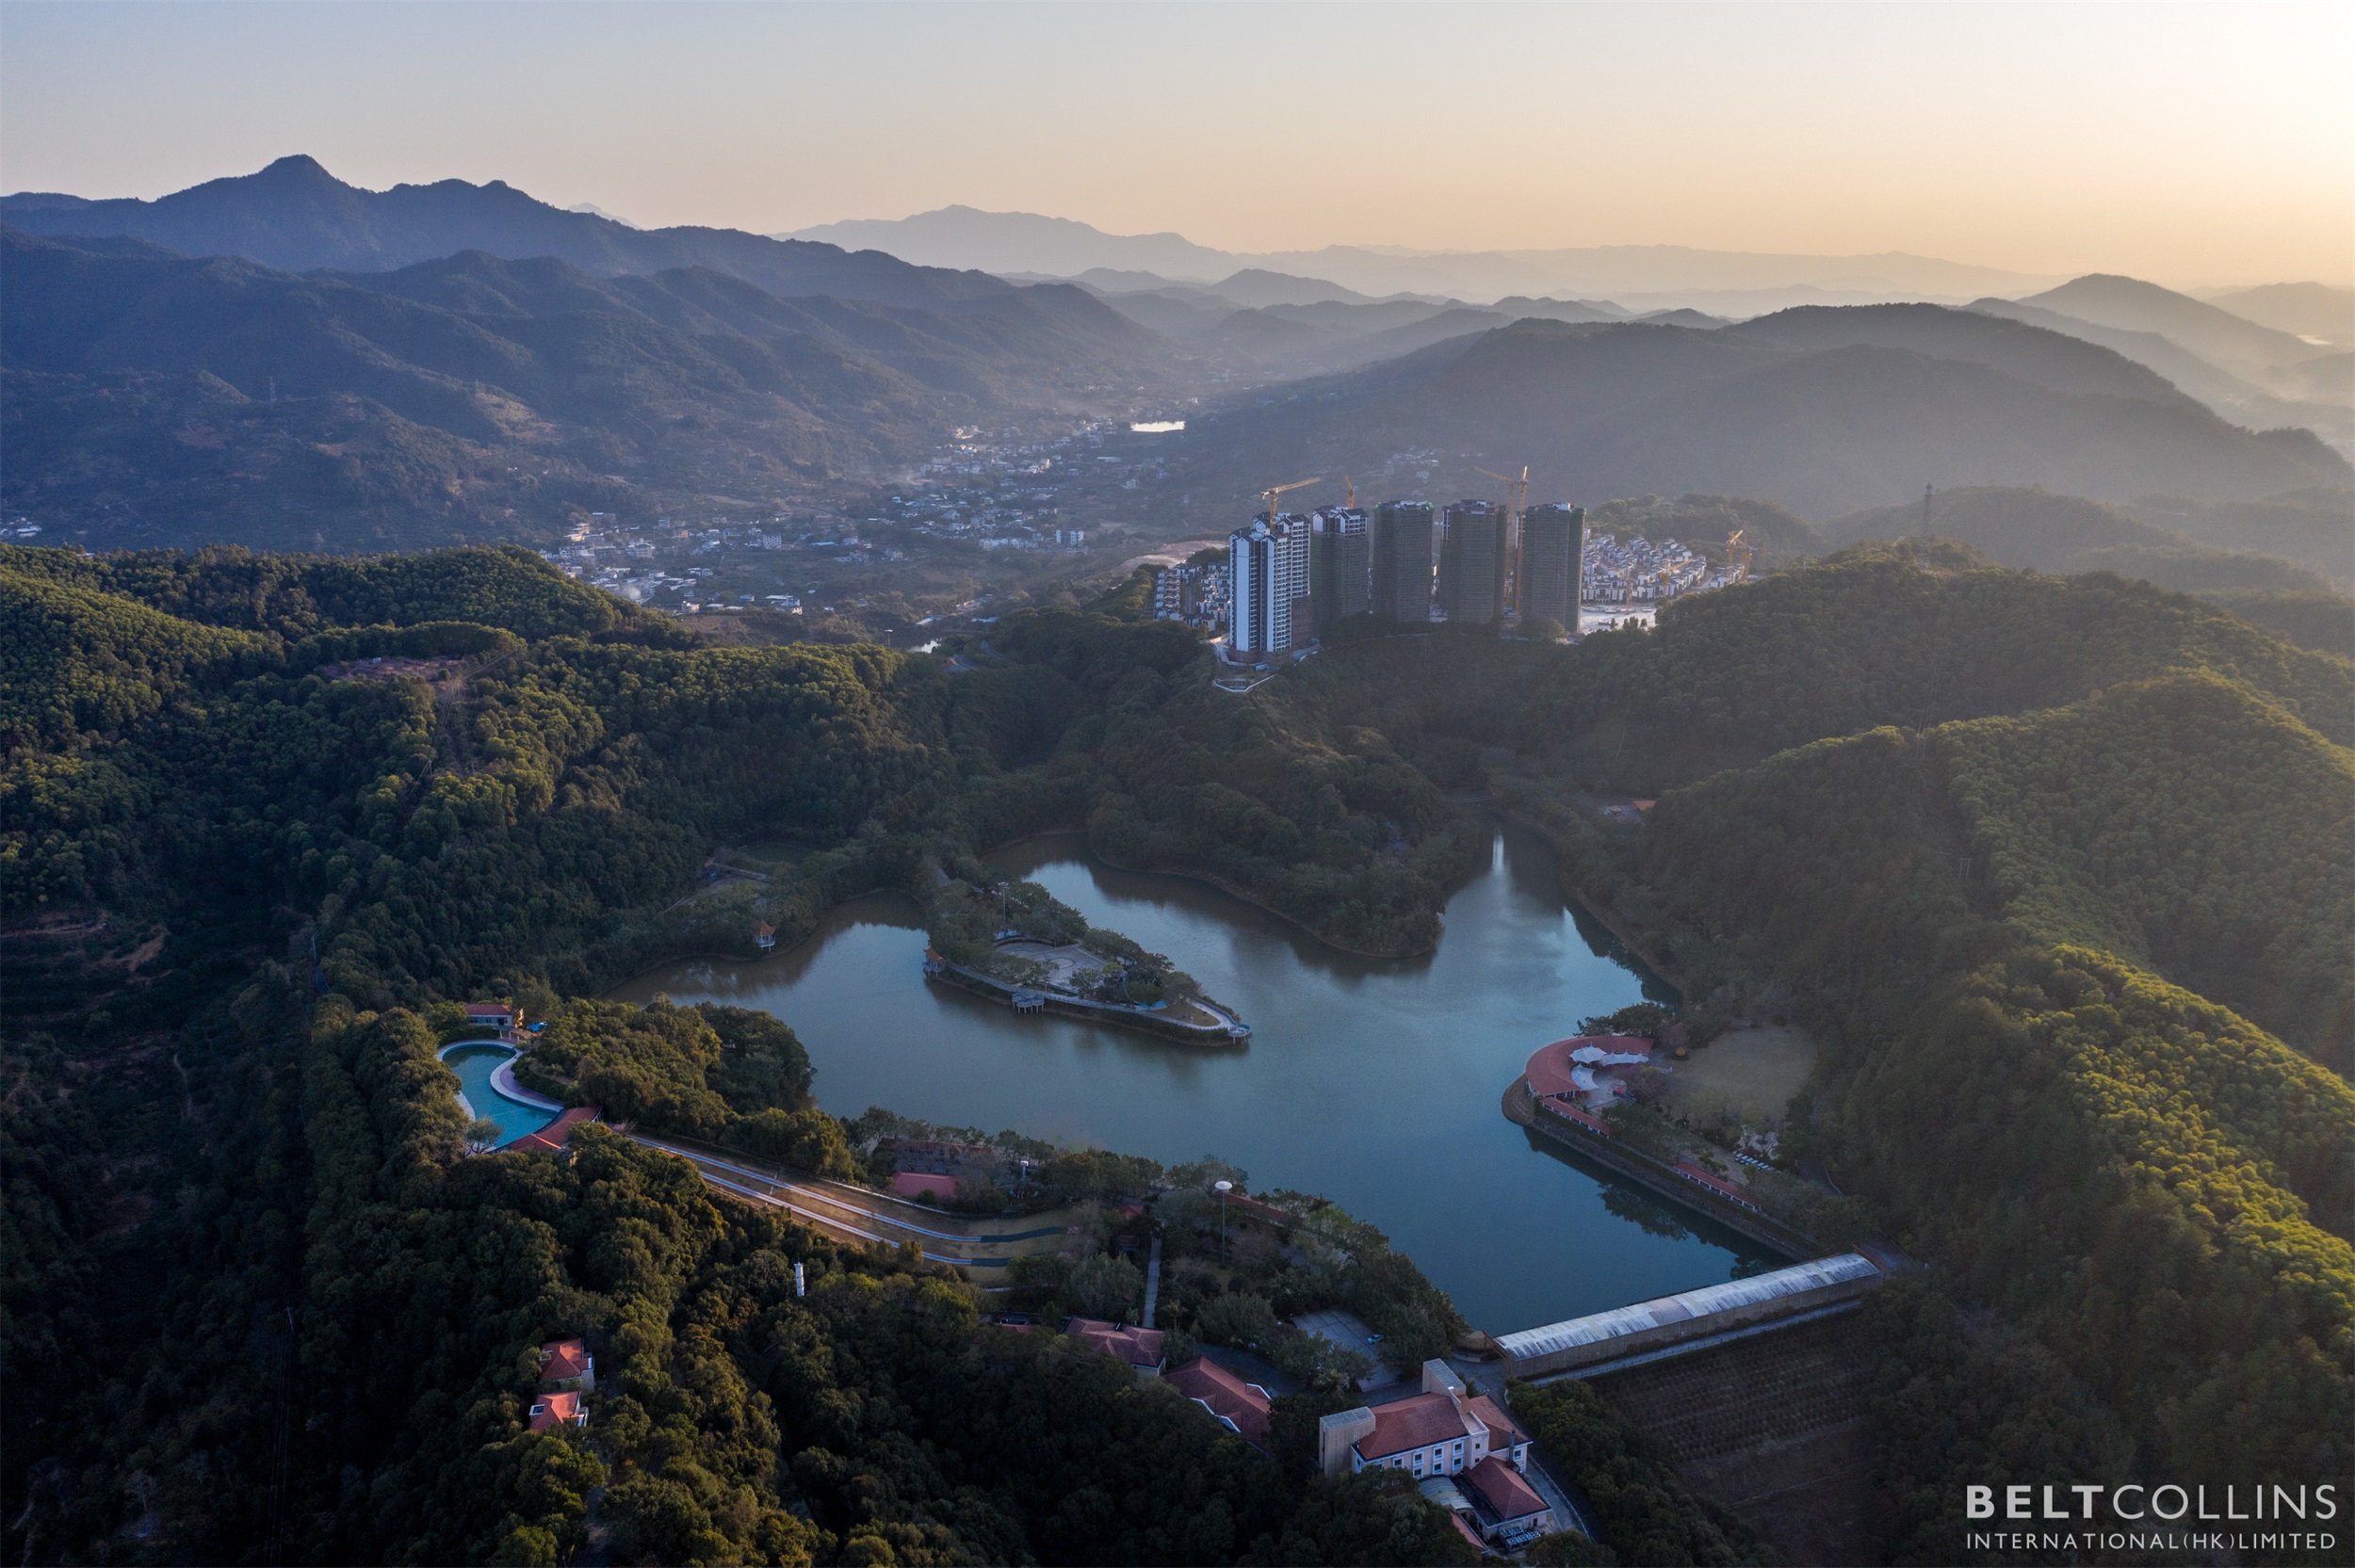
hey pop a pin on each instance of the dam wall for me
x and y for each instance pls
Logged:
(1580, 1345)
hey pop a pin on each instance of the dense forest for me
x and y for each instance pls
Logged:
(248, 873)
(2058, 869)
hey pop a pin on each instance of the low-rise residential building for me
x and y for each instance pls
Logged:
(567, 1364)
(551, 1411)
(1439, 1431)
(1141, 1349)
(1242, 1407)
(497, 1016)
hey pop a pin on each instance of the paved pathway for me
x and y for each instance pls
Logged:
(1152, 1281)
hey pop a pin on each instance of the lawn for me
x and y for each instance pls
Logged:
(1749, 1075)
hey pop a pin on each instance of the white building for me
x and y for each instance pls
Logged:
(1438, 1432)
(1269, 562)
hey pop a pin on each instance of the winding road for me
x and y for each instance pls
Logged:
(855, 1213)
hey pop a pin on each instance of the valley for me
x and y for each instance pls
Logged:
(811, 686)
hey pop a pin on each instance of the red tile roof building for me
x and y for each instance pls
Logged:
(551, 1411)
(497, 1014)
(1142, 1348)
(1591, 1070)
(1511, 1508)
(1692, 1172)
(924, 1184)
(1243, 1406)
(1243, 1207)
(1439, 1431)
(563, 1361)
(551, 1139)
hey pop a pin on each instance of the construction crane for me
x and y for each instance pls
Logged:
(1516, 491)
(1270, 495)
(1738, 557)
(1350, 486)
(1516, 499)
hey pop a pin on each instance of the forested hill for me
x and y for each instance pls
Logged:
(256, 1307)
(1868, 637)
(2296, 582)
(2073, 920)
(2058, 869)
(1824, 410)
(162, 400)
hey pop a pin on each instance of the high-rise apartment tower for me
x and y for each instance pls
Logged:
(1554, 540)
(1472, 563)
(1339, 563)
(1270, 565)
(1402, 561)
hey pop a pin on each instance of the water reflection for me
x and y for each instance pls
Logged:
(1375, 1081)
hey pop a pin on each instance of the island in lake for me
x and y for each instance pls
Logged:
(1015, 941)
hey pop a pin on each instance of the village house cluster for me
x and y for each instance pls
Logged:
(1634, 570)
(1198, 595)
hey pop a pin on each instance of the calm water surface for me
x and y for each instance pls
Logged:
(1375, 1082)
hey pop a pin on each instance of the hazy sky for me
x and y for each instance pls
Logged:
(2194, 145)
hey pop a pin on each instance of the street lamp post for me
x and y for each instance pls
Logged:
(1222, 1188)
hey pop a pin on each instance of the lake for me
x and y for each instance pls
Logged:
(1376, 1082)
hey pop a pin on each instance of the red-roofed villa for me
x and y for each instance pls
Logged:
(567, 1364)
(1140, 1348)
(551, 1411)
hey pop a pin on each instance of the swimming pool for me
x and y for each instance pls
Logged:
(474, 1061)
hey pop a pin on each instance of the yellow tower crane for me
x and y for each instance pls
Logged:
(1272, 492)
(1739, 555)
(1516, 491)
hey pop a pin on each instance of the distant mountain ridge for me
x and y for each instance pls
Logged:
(296, 217)
(1025, 242)
(2306, 310)
(2249, 373)
(1030, 243)
(168, 399)
(2217, 335)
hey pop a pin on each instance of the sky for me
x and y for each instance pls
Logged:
(2193, 145)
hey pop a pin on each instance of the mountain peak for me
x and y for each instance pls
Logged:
(298, 166)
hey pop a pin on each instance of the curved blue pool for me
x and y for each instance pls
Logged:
(474, 1064)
